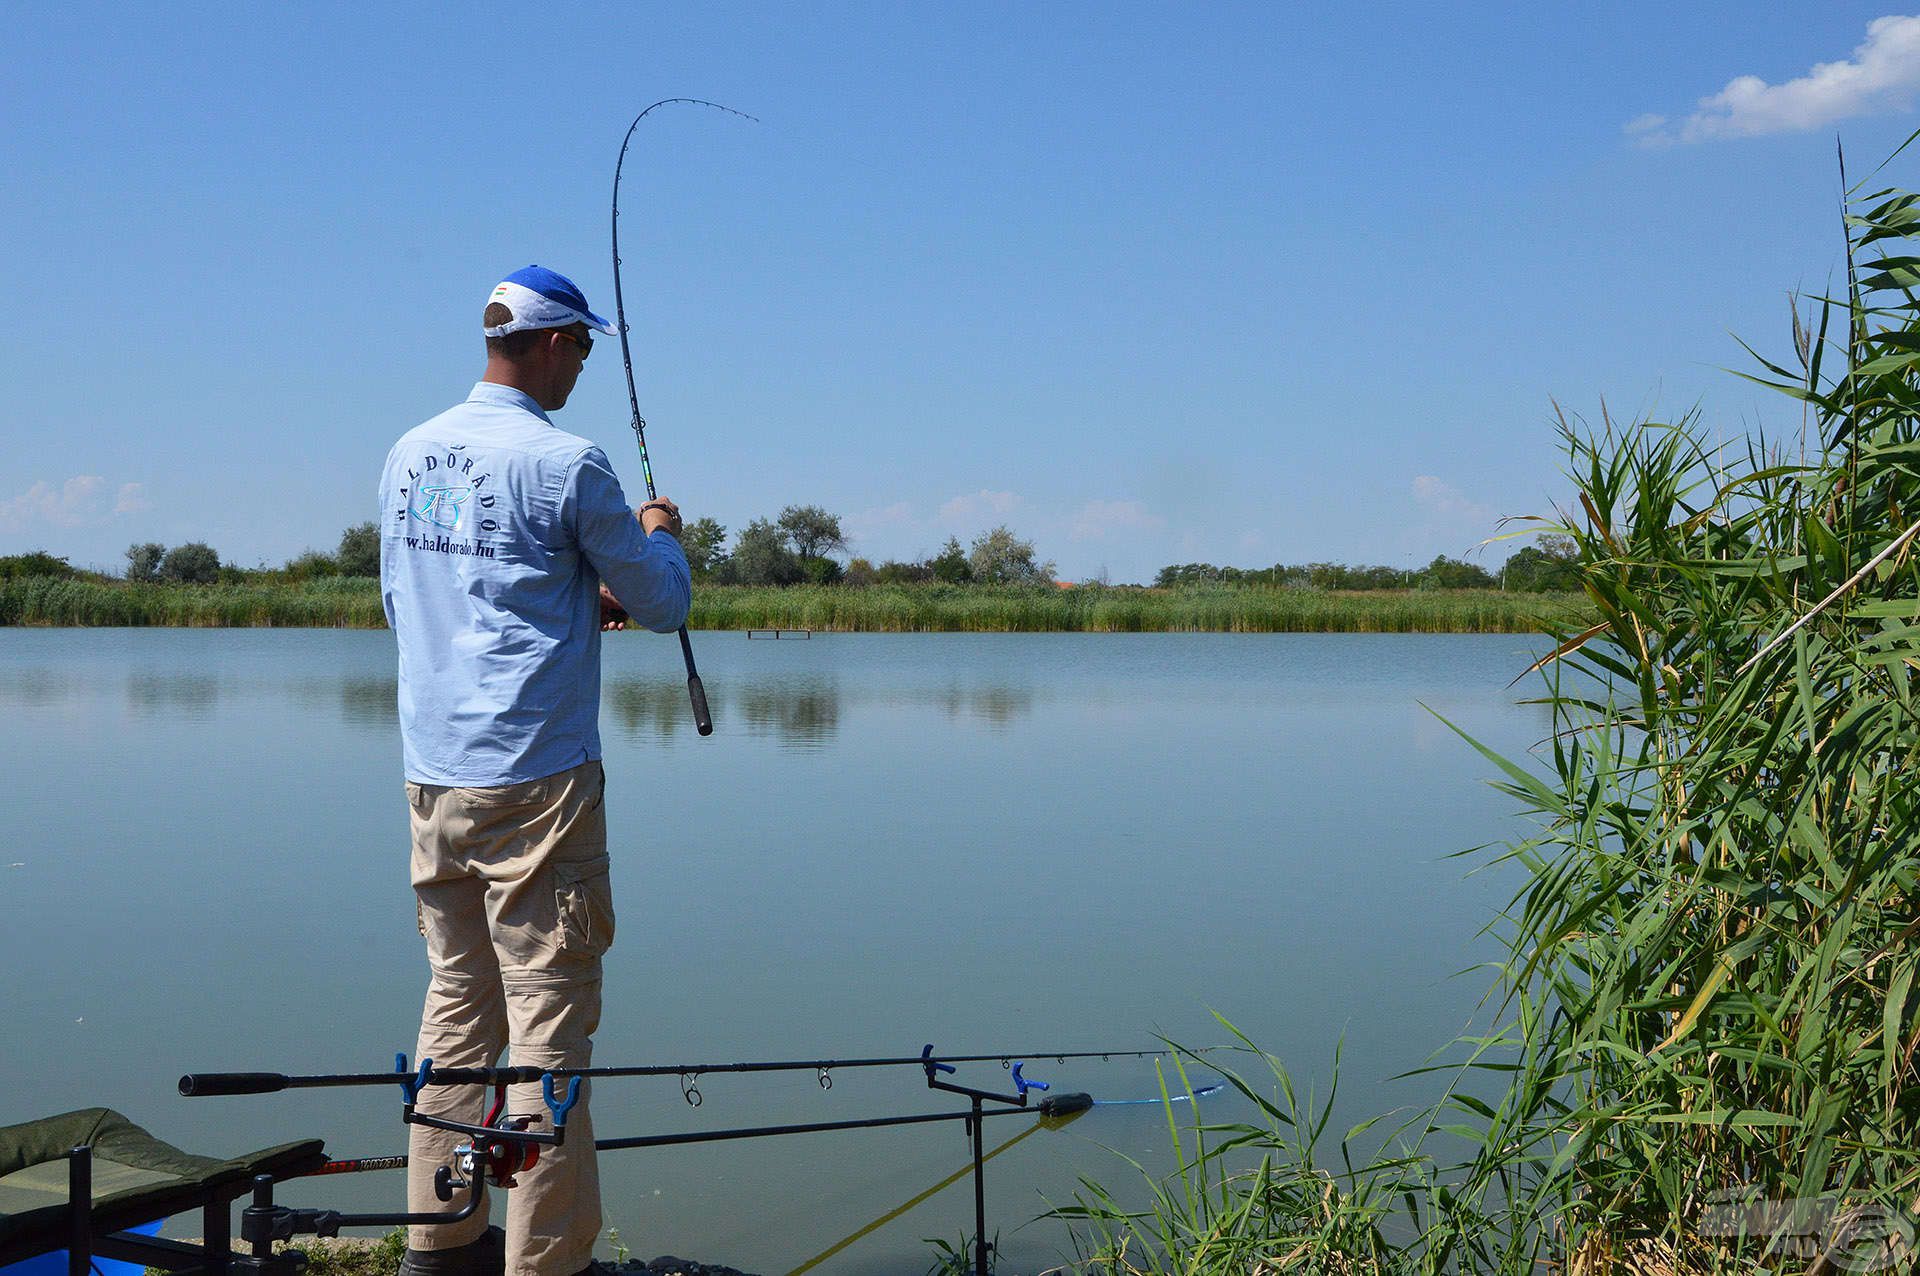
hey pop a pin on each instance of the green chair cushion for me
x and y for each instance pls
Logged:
(136, 1177)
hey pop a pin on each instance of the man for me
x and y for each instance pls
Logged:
(506, 547)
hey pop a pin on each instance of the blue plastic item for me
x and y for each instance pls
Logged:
(55, 1264)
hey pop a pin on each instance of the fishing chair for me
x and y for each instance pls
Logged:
(78, 1180)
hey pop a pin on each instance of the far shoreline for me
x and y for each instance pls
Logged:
(354, 603)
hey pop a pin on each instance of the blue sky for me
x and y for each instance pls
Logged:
(1147, 283)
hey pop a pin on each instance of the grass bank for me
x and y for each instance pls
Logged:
(355, 603)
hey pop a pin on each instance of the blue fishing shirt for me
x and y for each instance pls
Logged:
(496, 531)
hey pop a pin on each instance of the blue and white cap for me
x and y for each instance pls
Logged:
(542, 298)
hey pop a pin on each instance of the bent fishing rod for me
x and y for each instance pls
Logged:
(696, 691)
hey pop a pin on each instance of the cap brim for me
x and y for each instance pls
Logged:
(598, 324)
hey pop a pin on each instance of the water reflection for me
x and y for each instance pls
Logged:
(37, 688)
(995, 705)
(651, 707)
(805, 712)
(153, 693)
(370, 702)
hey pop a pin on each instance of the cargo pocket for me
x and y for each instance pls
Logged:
(583, 900)
(500, 798)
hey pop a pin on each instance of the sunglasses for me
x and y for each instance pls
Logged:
(585, 343)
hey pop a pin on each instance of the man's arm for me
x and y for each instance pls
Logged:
(647, 573)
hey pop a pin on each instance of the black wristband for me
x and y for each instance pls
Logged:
(673, 526)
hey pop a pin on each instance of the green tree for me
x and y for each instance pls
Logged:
(821, 571)
(36, 563)
(812, 531)
(1176, 574)
(194, 563)
(311, 565)
(359, 552)
(1552, 563)
(705, 543)
(1452, 573)
(998, 557)
(894, 572)
(143, 561)
(950, 565)
(761, 556)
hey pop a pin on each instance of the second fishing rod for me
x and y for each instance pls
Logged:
(200, 1084)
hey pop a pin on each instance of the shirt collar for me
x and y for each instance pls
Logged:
(506, 396)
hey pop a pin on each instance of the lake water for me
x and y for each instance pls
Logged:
(988, 842)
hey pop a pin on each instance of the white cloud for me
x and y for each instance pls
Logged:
(1098, 519)
(898, 514)
(1883, 75)
(74, 503)
(973, 506)
(878, 523)
(1443, 499)
(81, 501)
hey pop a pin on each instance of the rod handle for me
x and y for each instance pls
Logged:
(697, 692)
(197, 1084)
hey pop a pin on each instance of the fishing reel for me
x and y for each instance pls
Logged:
(507, 1156)
(495, 1156)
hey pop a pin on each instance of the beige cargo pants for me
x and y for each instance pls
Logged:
(516, 908)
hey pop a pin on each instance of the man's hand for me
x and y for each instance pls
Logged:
(612, 614)
(657, 514)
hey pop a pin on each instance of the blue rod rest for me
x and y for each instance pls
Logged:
(1023, 1085)
(932, 1065)
(559, 1107)
(411, 1083)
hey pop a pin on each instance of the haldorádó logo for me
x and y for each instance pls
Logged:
(442, 505)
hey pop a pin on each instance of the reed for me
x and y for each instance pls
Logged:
(328, 603)
(355, 602)
(1706, 1056)
(991, 609)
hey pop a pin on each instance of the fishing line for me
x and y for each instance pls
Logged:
(1044, 1123)
(696, 690)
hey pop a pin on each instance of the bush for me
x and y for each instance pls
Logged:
(704, 541)
(1551, 565)
(359, 553)
(761, 557)
(314, 565)
(1451, 573)
(950, 565)
(36, 563)
(998, 557)
(143, 561)
(893, 572)
(821, 571)
(194, 563)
